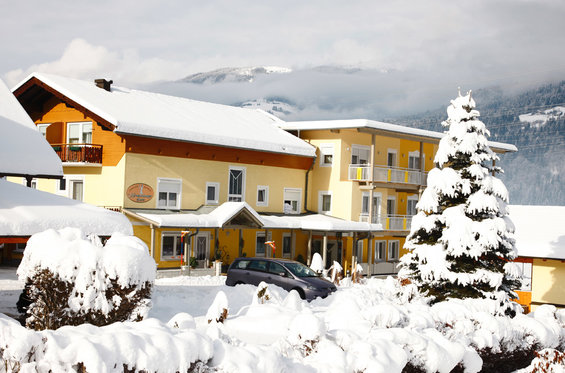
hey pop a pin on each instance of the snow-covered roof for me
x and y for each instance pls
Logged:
(228, 210)
(23, 150)
(25, 211)
(540, 231)
(389, 128)
(318, 222)
(157, 115)
(215, 219)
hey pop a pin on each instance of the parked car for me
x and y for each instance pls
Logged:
(288, 274)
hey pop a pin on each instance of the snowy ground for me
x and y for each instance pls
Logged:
(369, 327)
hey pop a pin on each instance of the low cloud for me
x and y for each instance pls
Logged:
(83, 60)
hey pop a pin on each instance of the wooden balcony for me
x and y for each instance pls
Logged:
(385, 174)
(79, 153)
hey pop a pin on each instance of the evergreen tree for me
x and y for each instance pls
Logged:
(461, 238)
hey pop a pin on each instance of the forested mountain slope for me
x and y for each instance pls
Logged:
(534, 121)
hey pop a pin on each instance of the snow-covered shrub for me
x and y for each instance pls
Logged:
(336, 272)
(218, 311)
(461, 239)
(145, 346)
(547, 361)
(317, 264)
(72, 279)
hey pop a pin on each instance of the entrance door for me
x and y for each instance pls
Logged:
(202, 249)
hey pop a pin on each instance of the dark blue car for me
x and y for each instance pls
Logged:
(288, 274)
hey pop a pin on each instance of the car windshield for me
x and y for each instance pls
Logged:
(300, 270)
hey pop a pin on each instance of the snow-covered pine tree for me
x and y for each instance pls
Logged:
(461, 241)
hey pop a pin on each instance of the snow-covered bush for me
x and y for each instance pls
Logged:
(461, 239)
(72, 279)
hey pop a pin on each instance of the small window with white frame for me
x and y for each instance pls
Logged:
(414, 160)
(262, 195)
(171, 246)
(393, 250)
(360, 154)
(291, 200)
(212, 193)
(411, 205)
(169, 193)
(75, 187)
(325, 202)
(326, 155)
(380, 251)
(42, 127)
(236, 184)
(79, 132)
(526, 268)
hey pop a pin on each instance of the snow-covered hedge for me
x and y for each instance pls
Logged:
(72, 279)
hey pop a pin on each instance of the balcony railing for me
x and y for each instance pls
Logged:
(390, 222)
(384, 174)
(79, 153)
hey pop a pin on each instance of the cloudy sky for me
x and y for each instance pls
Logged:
(414, 51)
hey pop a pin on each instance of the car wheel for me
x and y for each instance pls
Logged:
(300, 292)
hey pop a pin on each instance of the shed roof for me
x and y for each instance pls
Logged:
(540, 231)
(23, 150)
(25, 211)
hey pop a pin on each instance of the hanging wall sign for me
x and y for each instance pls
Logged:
(139, 193)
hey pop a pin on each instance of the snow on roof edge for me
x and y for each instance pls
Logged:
(383, 126)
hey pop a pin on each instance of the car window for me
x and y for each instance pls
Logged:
(258, 265)
(242, 264)
(300, 270)
(276, 268)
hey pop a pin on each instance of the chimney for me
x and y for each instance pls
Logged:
(103, 83)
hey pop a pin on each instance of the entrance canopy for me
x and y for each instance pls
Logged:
(227, 215)
(241, 215)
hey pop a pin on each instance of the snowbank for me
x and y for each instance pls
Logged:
(376, 326)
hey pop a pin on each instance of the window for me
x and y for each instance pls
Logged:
(62, 185)
(43, 128)
(411, 205)
(287, 245)
(260, 244)
(391, 206)
(276, 268)
(20, 247)
(526, 276)
(324, 202)
(360, 154)
(380, 254)
(262, 195)
(79, 133)
(326, 155)
(291, 200)
(393, 250)
(171, 246)
(169, 193)
(212, 193)
(414, 160)
(236, 184)
(76, 187)
(391, 158)
(376, 206)
(359, 251)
